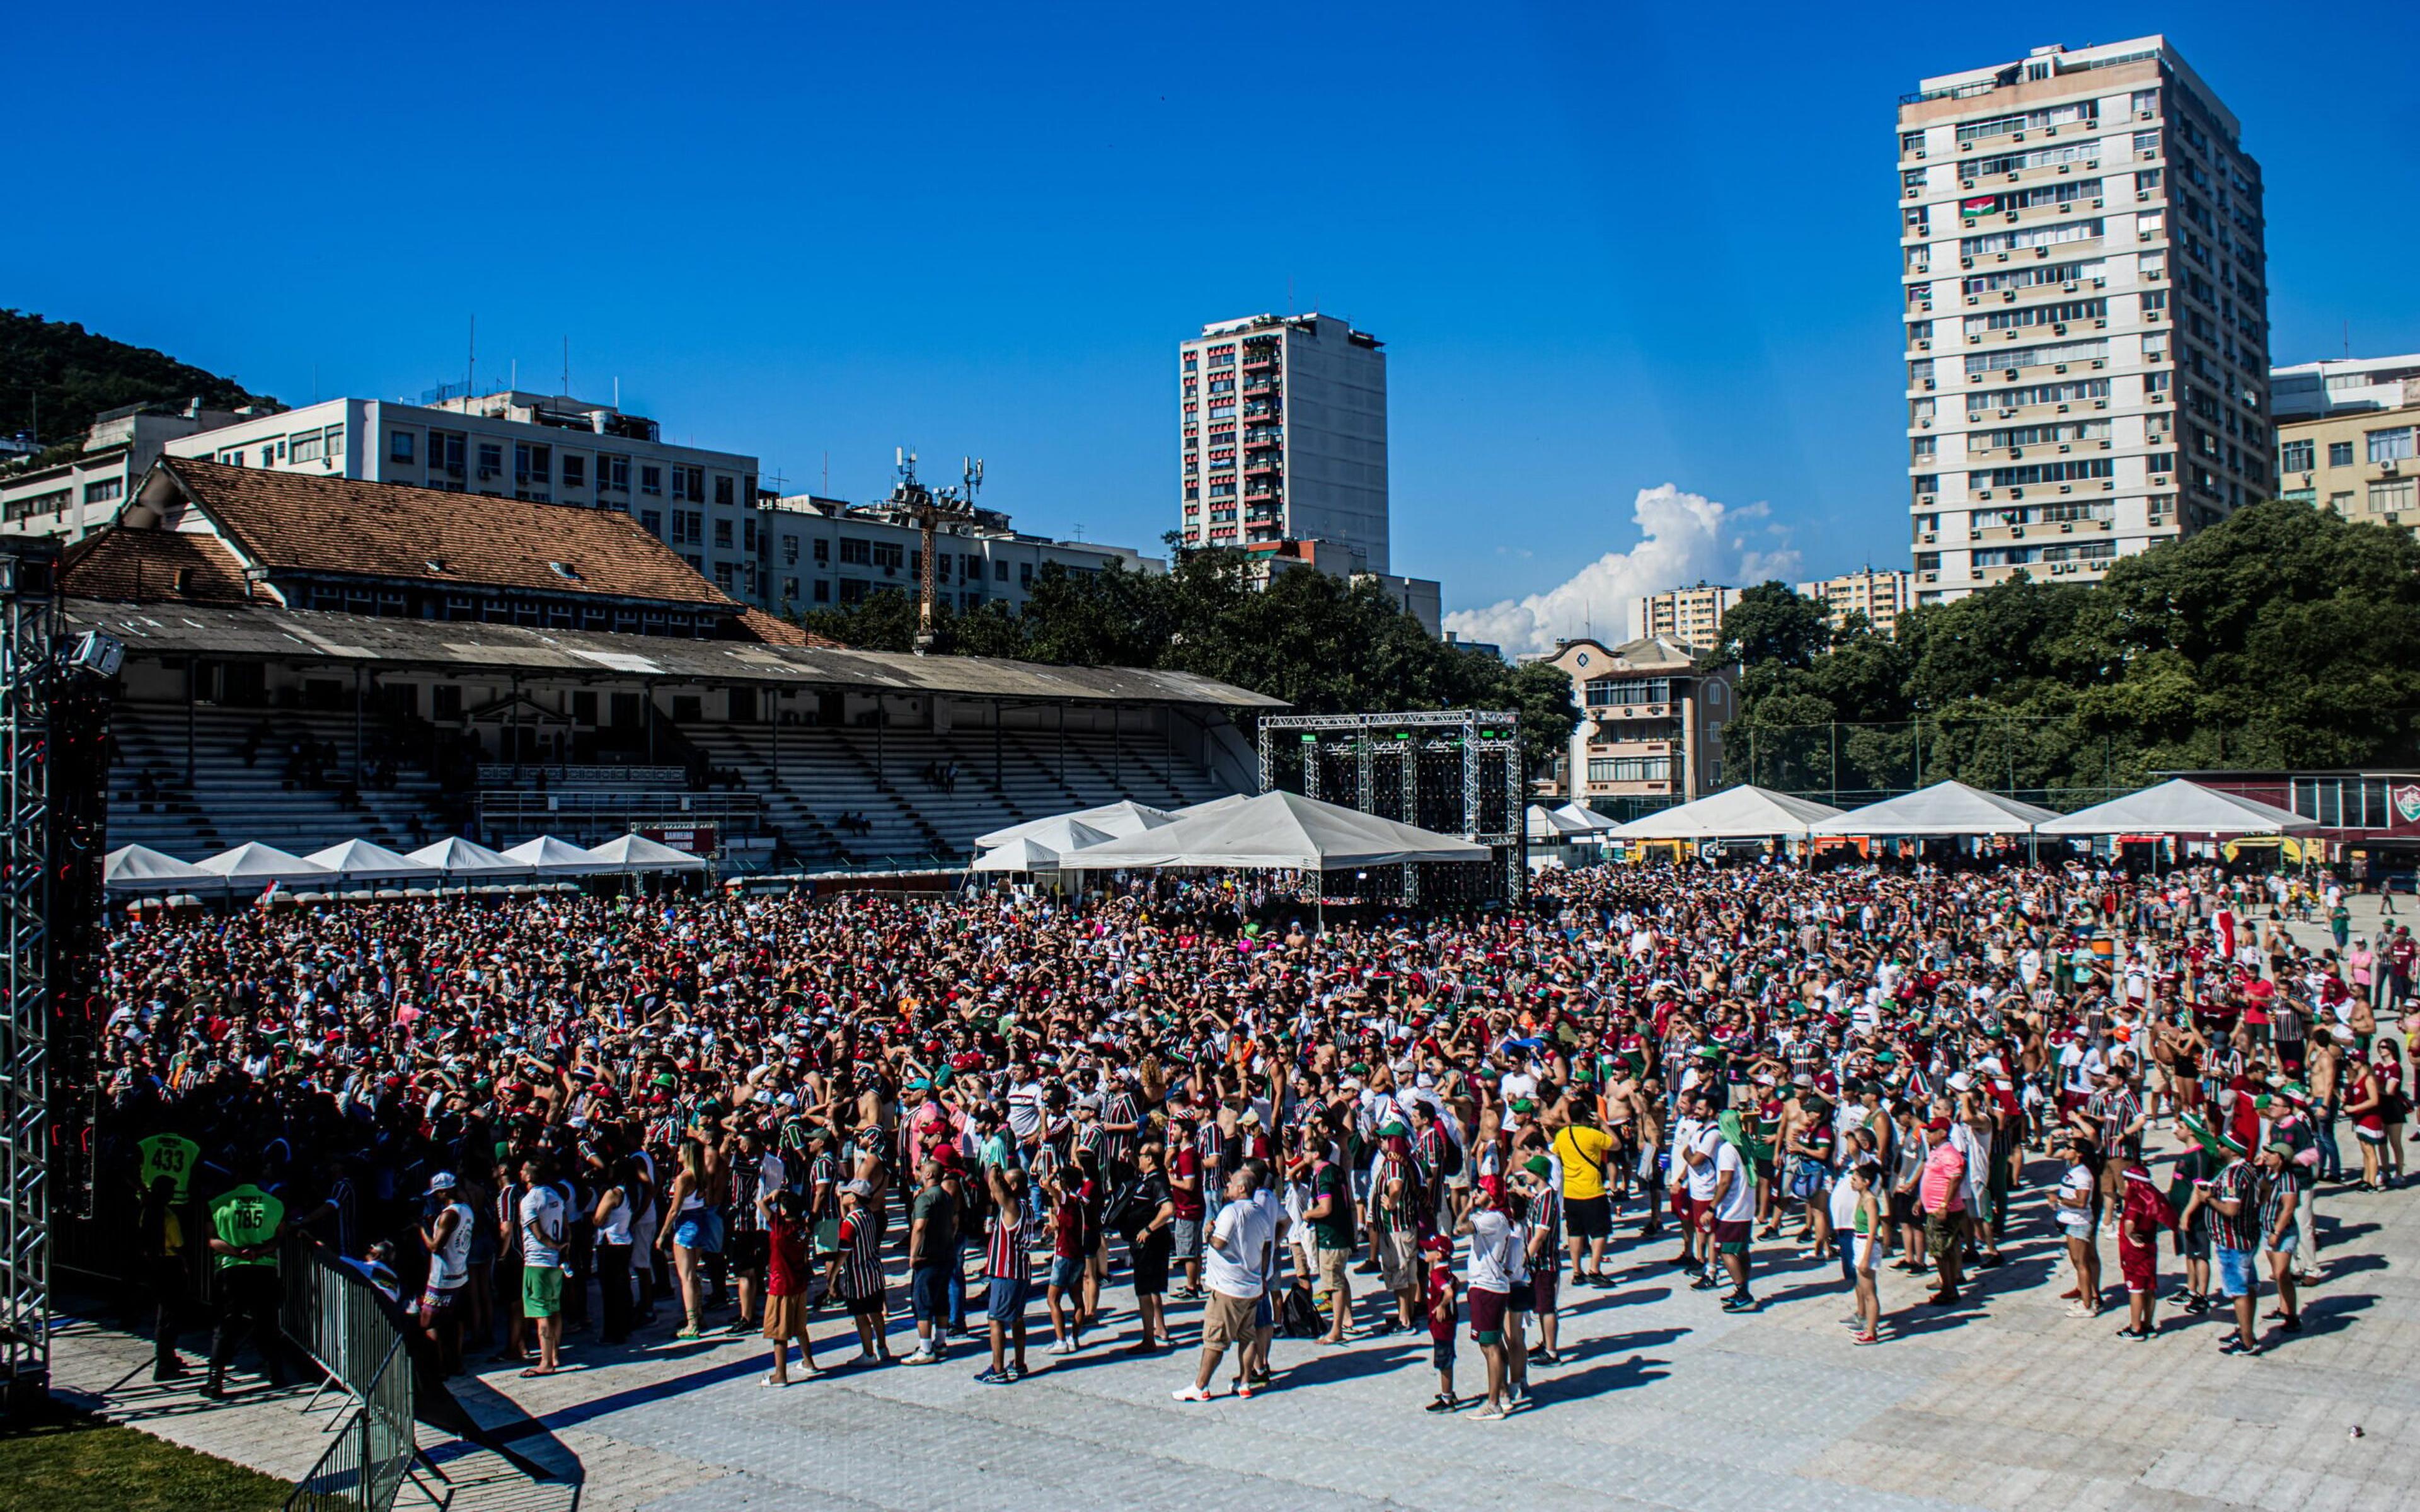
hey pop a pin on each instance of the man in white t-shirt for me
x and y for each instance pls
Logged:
(1234, 1264)
(1487, 1282)
(1731, 1207)
(542, 1229)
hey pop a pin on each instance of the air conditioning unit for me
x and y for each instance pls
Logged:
(1923, 345)
(2067, 528)
(2009, 216)
(2063, 167)
(2064, 447)
(2006, 414)
(2062, 410)
(2009, 372)
(2041, 252)
(2103, 283)
(1983, 493)
(1928, 383)
(2142, 115)
(2066, 487)
(2099, 323)
(2060, 368)
(1965, 262)
(2058, 327)
(1972, 300)
(2009, 335)
(1965, 183)
(2008, 296)
(1919, 152)
(2104, 404)
(2391, 470)
(2016, 533)
(1930, 537)
(1928, 576)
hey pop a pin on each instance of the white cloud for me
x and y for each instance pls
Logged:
(1682, 538)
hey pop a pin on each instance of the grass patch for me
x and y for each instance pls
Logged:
(73, 1463)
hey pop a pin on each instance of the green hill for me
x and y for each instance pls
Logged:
(56, 375)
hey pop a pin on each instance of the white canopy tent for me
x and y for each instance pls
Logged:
(1742, 812)
(560, 857)
(1211, 806)
(2177, 807)
(459, 857)
(636, 853)
(359, 859)
(1584, 818)
(1943, 809)
(1544, 825)
(1064, 834)
(141, 869)
(1275, 831)
(1112, 821)
(1023, 854)
(261, 865)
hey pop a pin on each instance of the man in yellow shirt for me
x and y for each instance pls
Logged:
(1581, 1148)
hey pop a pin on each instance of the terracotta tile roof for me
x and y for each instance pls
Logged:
(775, 631)
(129, 566)
(346, 527)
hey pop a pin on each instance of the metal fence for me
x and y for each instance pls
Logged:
(369, 1459)
(333, 1313)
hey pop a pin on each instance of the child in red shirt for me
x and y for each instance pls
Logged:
(2145, 1213)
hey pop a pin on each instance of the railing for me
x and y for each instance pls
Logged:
(370, 1458)
(593, 774)
(504, 810)
(333, 1313)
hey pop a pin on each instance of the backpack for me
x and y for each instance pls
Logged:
(1298, 1315)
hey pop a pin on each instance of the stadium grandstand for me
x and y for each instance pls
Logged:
(311, 660)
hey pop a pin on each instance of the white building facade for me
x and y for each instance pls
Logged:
(73, 498)
(822, 553)
(1282, 422)
(511, 444)
(2085, 279)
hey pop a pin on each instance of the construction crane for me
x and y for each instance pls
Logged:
(929, 507)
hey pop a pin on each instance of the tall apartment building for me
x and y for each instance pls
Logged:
(1284, 420)
(1692, 616)
(2349, 437)
(1879, 594)
(2087, 314)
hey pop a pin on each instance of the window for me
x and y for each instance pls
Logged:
(723, 535)
(688, 483)
(789, 550)
(999, 572)
(2341, 501)
(612, 472)
(1630, 769)
(398, 446)
(575, 470)
(104, 492)
(2393, 444)
(823, 590)
(2147, 182)
(790, 589)
(651, 479)
(492, 459)
(823, 552)
(855, 551)
(445, 450)
(445, 700)
(652, 521)
(304, 448)
(2339, 454)
(890, 554)
(721, 490)
(722, 576)
(747, 535)
(2294, 457)
(533, 463)
(2392, 496)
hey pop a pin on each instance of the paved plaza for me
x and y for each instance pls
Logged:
(1665, 1401)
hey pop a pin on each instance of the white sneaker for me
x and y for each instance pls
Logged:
(1190, 1393)
(922, 1357)
(1060, 1347)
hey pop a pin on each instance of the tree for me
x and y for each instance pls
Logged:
(2284, 636)
(58, 376)
(1772, 625)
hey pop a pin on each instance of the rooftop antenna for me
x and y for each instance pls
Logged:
(567, 367)
(617, 391)
(828, 472)
(471, 365)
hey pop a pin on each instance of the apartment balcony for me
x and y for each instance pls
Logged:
(1259, 462)
(1260, 361)
(1263, 410)
(1267, 383)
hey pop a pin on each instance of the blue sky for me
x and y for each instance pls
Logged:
(1609, 248)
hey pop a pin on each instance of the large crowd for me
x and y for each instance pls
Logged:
(820, 1121)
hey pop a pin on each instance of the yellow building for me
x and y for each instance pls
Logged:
(1651, 734)
(2361, 460)
(1879, 594)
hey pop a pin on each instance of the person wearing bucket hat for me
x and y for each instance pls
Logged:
(2232, 1199)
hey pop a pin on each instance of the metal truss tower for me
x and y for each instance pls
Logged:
(1455, 771)
(30, 632)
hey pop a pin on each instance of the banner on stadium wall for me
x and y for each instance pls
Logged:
(696, 839)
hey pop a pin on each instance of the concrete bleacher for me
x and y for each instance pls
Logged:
(837, 796)
(815, 779)
(244, 780)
